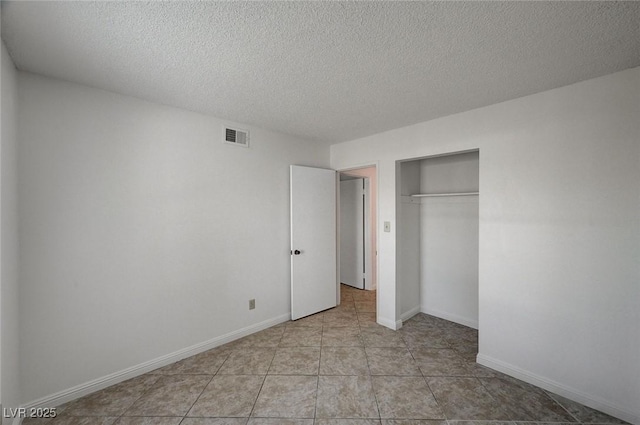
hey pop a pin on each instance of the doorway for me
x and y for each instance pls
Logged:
(314, 210)
(358, 218)
(354, 238)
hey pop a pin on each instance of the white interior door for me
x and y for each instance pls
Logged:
(313, 240)
(352, 233)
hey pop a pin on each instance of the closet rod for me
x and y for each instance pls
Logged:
(432, 195)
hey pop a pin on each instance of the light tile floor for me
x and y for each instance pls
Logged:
(337, 367)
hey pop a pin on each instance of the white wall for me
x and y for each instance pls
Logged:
(449, 238)
(559, 232)
(9, 336)
(141, 233)
(450, 173)
(449, 258)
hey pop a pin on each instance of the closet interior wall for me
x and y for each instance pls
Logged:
(438, 238)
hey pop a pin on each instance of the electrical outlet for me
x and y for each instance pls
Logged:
(252, 304)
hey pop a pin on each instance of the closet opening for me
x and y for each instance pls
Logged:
(437, 239)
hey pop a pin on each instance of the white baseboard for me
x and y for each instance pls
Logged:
(409, 314)
(451, 317)
(391, 324)
(560, 389)
(81, 390)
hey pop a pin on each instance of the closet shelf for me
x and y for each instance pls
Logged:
(433, 195)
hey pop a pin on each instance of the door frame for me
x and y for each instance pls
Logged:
(373, 247)
(366, 266)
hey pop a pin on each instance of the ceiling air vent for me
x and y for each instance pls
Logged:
(237, 137)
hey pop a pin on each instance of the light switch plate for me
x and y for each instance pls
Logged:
(387, 226)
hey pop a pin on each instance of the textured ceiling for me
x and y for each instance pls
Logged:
(327, 71)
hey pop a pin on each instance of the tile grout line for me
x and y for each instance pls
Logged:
(495, 399)
(315, 407)
(562, 406)
(373, 390)
(265, 376)
(200, 395)
(141, 395)
(424, 378)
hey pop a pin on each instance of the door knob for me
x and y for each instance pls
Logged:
(296, 252)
